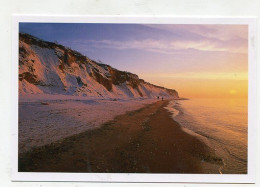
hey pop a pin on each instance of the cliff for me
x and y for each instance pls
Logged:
(50, 68)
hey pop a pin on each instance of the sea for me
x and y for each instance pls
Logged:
(221, 123)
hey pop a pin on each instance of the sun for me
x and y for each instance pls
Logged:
(232, 92)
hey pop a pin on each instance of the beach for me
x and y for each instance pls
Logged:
(44, 119)
(145, 140)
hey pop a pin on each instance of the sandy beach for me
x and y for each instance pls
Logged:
(44, 119)
(146, 140)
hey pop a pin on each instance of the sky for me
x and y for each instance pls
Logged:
(196, 60)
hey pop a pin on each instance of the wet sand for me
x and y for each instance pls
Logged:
(147, 140)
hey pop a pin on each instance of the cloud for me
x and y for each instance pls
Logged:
(217, 31)
(169, 39)
(169, 47)
(203, 75)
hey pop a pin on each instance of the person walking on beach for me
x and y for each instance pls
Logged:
(158, 97)
(162, 98)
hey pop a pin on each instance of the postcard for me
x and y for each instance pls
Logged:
(134, 99)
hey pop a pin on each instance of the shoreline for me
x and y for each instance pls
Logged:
(146, 140)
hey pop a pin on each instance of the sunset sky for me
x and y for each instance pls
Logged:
(196, 60)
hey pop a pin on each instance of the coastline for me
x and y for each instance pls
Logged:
(146, 140)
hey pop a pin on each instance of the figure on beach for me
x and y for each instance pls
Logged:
(158, 97)
(162, 98)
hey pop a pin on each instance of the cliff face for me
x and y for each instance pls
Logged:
(46, 67)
